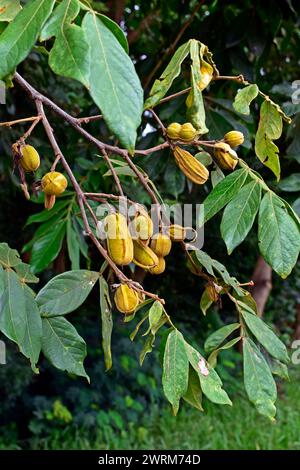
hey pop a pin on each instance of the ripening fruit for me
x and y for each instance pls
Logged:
(190, 166)
(30, 159)
(211, 292)
(161, 245)
(187, 132)
(225, 156)
(159, 268)
(144, 256)
(234, 138)
(142, 227)
(118, 239)
(54, 183)
(173, 131)
(206, 71)
(126, 299)
(177, 233)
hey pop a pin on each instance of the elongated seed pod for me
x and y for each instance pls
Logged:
(190, 166)
(119, 241)
(225, 156)
(177, 233)
(161, 244)
(159, 268)
(144, 256)
(126, 299)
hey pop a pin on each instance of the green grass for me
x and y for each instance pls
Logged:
(221, 427)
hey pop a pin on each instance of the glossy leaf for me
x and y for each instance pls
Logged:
(155, 314)
(46, 248)
(259, 383)
(278, 234)
(63, 347)
(147, 348)
(164, 82)
(212, 359)
(244, 98)
(205, 302)
(69, 55)
(193, 395)
(12, 314)
(9, 9)
(58, 210)
(73, 245)
(239, 215)
(32, 342)
(175, 369)
(264, 334)
(20, 35)
(217, 337)
(25, 274)
(116, 30)
(64, 13)
(107, 321)
(66, 292)
(291, 183)
(223, 192)
(114, 84)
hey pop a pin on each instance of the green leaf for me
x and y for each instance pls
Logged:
(205, 302)
(73, 245)
(65, 12)
(114, 84)
(163, 84)
(193, 395)
(63, 347)
(216, 176)
(278, 234)
(212, 360)
(46, 248)
(259, 383)
(25, 273)
(147, 348)
(239, 215)
(269, 129)
(45, 215)
(20, 35)
(32, 342)
(223, 193)
(244, 97)
(175, 369)
(155, 314)
(264, 334)
(215, 268)
(66, 292)
(12, 315)
(291, 183)
(107, 321)
(210, 382)
(116, 30)
(217, 337)
(278, 368)
(9, 9)
(69, 56)
(194, 101)
(8, 256)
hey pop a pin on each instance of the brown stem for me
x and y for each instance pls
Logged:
(86, 120)
(18, 121)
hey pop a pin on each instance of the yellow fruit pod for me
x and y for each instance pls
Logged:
(30, 159)
(226, 158)
(187, 132)
(234, 138)
(143, 256)
(142, 227)
(118, 239)
(126, 299)
(173, 130)
(211, 292)
(177, 233)
(190, 166)
(206, 71)
(54, 183)
(160, 267)
(161, 244)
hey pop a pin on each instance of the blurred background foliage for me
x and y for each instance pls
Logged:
(125, 408)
